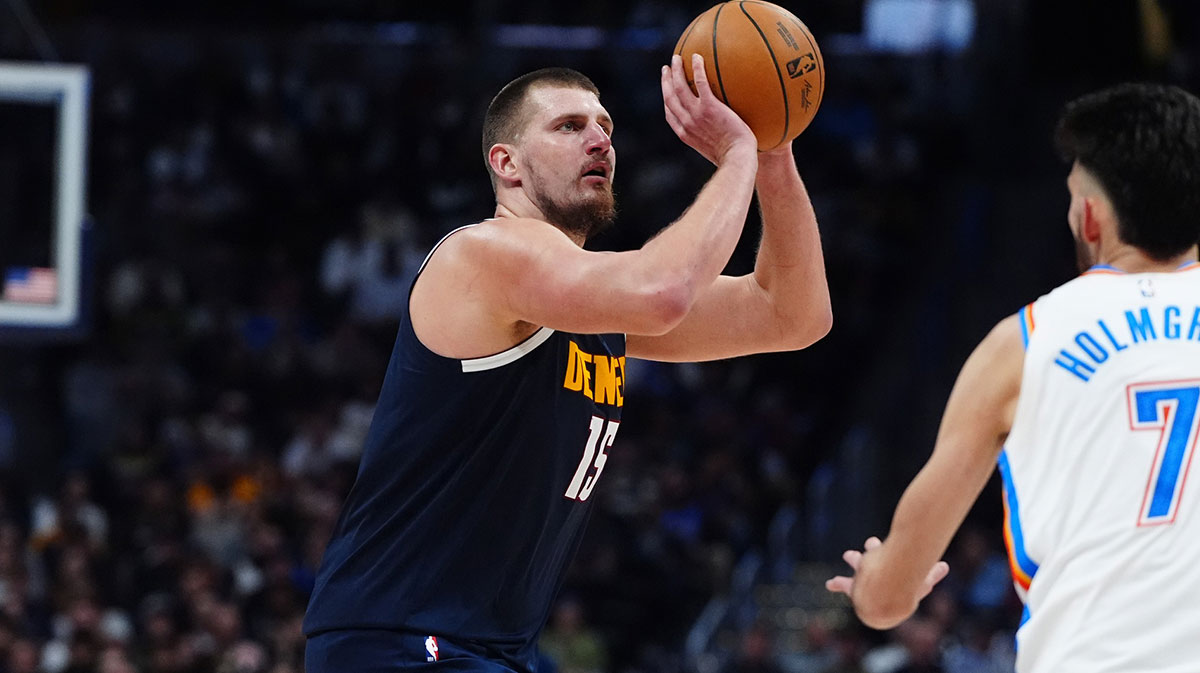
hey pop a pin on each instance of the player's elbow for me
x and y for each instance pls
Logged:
(816, 325)
(802, 329)
(664, 305)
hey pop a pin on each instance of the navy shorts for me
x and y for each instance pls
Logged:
(385, 651)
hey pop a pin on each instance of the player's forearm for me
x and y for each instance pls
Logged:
(689, 254)
(891, 579)
(790, 266)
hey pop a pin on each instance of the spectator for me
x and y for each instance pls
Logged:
(572, 644)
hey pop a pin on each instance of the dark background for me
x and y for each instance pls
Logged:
(264, 178)
(27, 136)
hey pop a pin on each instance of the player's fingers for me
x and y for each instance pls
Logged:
(670, 92)
(679, 79)
(674, 110)
(700, 77)
(852, 557)
(673, 121)
(871, 543)
(668, 88)
(840, 584)
(937, 573)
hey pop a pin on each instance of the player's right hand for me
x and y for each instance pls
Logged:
(700, 119)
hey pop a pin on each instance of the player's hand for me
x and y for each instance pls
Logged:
(700, 119)
(853, 558)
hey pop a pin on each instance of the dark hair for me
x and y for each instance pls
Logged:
(504, 118)
(1142, 142)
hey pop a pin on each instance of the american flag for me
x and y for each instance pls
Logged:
(31, 285)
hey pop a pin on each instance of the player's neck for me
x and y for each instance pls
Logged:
(1131, 260)
(514, 202)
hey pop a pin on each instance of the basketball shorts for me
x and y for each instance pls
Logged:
(385, 651)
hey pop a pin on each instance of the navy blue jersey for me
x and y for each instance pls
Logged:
(475, 484)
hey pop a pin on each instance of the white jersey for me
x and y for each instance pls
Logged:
(1102, 525)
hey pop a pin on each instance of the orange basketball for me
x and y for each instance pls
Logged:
(762, 62)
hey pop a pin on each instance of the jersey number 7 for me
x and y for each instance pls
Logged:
(1169, 407)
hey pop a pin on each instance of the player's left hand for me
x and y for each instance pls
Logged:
(853, 558)
(698, 117)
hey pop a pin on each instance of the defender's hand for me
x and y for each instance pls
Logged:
(853, 558)
(700, 119)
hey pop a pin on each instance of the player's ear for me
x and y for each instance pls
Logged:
(1089, 229)
(503, 163)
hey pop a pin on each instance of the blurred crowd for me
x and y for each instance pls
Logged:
(261, 202)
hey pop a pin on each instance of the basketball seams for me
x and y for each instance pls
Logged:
(686, 34)
(715, 59)
(787, 115)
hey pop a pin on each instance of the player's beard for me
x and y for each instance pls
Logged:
(585, 217)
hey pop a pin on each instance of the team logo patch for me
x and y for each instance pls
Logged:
(431, 646)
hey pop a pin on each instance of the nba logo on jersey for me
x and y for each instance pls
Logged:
(432, 648)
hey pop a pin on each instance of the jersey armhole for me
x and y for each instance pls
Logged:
(429, 256)
(1025, 318)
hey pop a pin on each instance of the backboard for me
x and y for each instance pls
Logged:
(43, 154)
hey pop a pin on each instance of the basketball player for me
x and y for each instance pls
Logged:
(1088, 399)
(505, 388)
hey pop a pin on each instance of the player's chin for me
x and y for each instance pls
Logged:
(601, 211)
(596, 194)
(597, 182)
(606, 205)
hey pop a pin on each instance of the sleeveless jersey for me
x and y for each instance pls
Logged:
(473, 489)
(1102, 524)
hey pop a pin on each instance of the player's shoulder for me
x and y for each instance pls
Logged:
(1005, 337)
(1009, 325)
(486, 238)
(514, 226)
(506, 235)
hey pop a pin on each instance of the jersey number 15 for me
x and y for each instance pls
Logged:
(595, 453)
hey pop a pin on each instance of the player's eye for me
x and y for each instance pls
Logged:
(568, 126)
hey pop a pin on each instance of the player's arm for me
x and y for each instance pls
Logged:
(528, 271)
(783, 305)
(891, 578)
(532, 272)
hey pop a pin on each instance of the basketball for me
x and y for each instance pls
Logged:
(762, 62)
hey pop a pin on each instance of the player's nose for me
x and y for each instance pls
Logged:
(598, 140)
